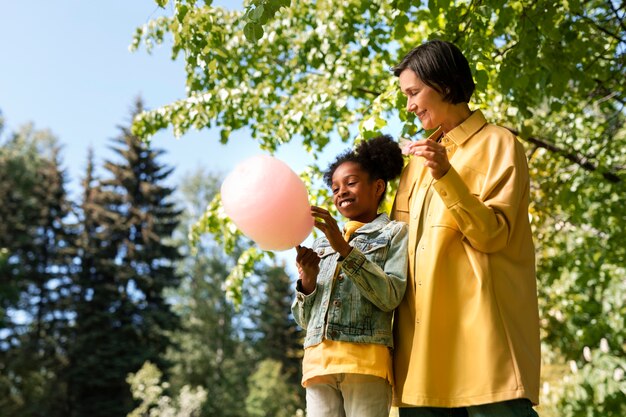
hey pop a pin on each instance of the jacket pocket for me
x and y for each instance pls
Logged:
(374, 250)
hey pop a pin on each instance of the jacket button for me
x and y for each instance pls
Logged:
(443, 193)
(340, 278)
(334, 333)
(337, 303)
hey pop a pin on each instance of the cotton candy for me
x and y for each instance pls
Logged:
(268, 202)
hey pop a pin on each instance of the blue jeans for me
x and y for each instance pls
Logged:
(512, 408)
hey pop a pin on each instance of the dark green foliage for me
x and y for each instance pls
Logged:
(277, 335)
(36, 246)
(126, 261)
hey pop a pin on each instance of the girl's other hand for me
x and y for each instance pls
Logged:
(308, 263)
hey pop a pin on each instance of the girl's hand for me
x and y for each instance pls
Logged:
(328, 225)
(434, 154)
(308, 263)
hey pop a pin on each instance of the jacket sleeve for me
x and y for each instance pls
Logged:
(486, 217)
(383, 287)
(302, 305)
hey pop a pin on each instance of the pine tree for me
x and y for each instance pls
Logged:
(279, 338)
(35, 276)
(127, 260)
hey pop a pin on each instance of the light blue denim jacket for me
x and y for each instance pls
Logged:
(358, 305)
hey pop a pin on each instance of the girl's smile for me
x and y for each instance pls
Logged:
(355, 195)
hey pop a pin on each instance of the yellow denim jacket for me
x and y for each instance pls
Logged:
(467, 330)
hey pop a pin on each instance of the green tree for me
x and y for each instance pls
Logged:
(276, 334)
(551, 71)
(36, 242)
(269, 394)
(127, 259)
(210, 350)
(148, 388)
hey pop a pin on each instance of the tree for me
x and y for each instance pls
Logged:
(277, 336)
(266, 385)
(147, 387)
(36, 242)
(550, 71)
(210, 350)
(126, 261)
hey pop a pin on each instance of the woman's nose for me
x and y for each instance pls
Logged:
(410, 106)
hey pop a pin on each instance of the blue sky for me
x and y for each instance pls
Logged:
(66, 67)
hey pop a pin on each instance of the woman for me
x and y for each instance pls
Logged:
(467, 331)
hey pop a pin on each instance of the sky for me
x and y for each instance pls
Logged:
(66, 67)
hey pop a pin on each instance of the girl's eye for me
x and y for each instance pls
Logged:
(335, 190)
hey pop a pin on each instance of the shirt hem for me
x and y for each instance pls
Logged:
(417, 401)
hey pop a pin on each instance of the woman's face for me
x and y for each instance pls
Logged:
(354, 195)
(426, 102)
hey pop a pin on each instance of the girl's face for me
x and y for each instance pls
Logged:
(426, 102)
(354, 194)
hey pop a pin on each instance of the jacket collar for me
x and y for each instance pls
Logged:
(378, 223)
(464, 131)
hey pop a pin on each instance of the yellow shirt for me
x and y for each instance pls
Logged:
(332, 357)
(467, 330)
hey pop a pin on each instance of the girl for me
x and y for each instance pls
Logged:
(349, 285)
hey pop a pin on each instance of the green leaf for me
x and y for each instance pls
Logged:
(181, 12)
(256, 13)
(482, 79)
(253, 31)
(224, 135)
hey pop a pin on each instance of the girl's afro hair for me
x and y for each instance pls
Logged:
(380, 157)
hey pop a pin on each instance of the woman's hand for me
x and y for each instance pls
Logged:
(308, 263)
(434, 154)
(328, 225)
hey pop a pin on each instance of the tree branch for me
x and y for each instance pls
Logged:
(615, 12)
(600, 28)
(367, 91)
(574, 157)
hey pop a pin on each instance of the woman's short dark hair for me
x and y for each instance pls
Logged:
(380, 157)
(442, 66)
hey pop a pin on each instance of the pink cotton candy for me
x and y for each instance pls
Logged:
(268, 202)
(404, 145)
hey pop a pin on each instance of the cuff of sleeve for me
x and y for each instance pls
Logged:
(353, 262)
(451, 188)
(300, 295)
